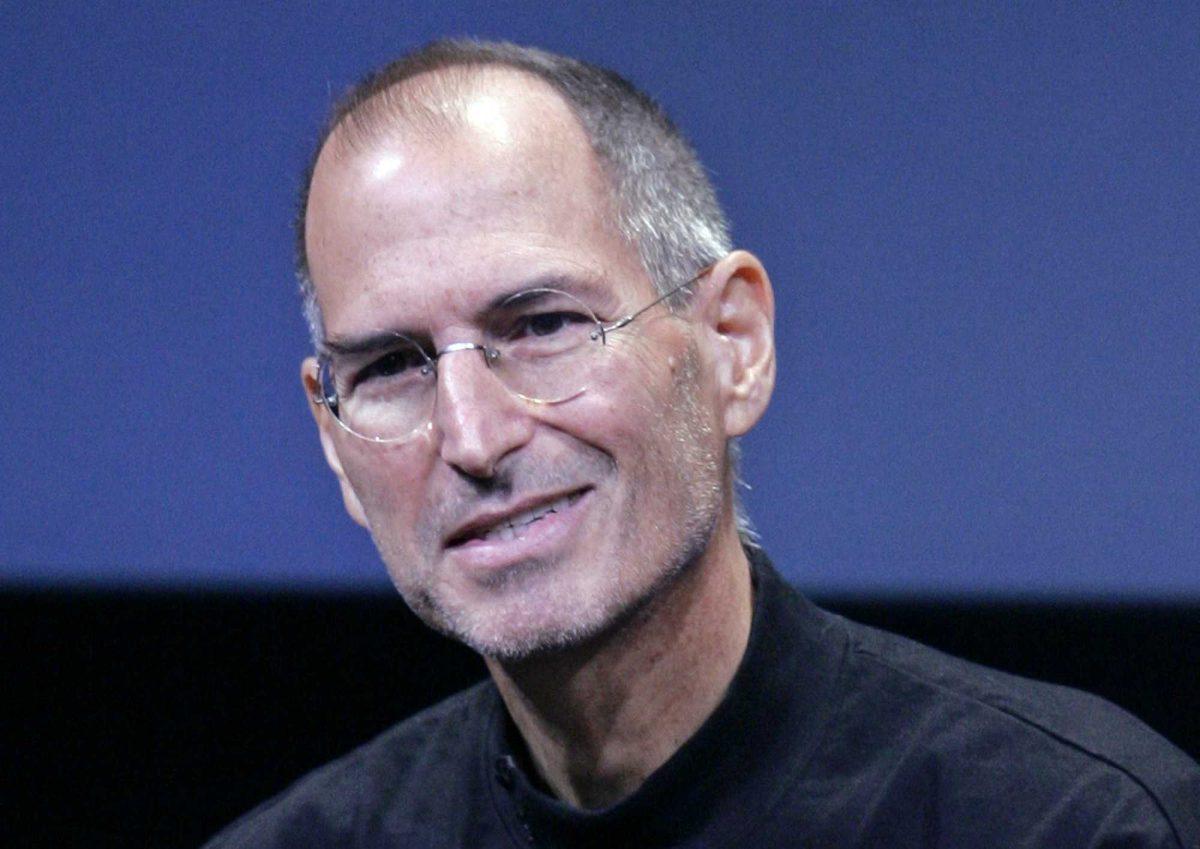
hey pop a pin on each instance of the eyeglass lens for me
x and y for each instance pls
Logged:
(543, 343)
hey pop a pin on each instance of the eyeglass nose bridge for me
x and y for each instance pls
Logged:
(490, 355)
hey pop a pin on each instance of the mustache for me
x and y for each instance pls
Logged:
(515, 479)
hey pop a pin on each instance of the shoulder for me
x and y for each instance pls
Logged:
(1050, 751)
(427, 758)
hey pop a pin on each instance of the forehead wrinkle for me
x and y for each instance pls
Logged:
(590, 287)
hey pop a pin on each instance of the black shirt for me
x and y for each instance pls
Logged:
(832, 734)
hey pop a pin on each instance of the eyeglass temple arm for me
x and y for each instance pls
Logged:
(621, 322)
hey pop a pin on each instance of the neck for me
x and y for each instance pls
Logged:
(599, 719)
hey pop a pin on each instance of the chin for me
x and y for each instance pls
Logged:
(540, 609)
(516, 647)
(512, 633)
(539, 624)
(524, 625)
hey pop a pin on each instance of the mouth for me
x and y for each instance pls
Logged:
(512, 526)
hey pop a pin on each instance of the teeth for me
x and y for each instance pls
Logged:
(515, 526)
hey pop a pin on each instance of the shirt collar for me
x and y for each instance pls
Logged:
(731, 771)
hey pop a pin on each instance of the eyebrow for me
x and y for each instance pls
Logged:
(356, 345)
(578, 284)
(584, 284)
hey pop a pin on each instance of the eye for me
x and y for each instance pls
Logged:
(548, 323)
(541, 323)
(399, 362)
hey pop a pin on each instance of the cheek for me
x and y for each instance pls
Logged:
(615, 415)
(636, 376)
(386, 480)
(648, 411)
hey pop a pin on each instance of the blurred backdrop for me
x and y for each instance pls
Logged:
(982, 223)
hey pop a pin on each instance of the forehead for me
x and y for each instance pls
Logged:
(418, 224)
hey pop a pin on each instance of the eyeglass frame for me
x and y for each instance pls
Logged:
(490, 356)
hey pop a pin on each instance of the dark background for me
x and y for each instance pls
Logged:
(153, 719)
(983, 226)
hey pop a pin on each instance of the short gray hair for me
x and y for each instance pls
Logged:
(666, 206)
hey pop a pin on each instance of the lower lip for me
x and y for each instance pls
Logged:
(484, 558)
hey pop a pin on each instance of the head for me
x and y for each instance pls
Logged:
(516, 527)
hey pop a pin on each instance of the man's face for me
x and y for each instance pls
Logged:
(422, 233)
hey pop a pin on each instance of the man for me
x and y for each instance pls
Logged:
(536, 348)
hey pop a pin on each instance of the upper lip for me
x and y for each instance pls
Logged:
(487, 518)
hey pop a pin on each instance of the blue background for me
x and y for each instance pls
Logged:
(983, 226)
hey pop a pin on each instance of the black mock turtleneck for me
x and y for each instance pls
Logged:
(831, 735)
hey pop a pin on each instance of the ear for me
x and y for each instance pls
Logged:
(327, 428)
(739, 315)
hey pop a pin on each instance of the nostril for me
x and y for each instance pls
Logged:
(480, 479)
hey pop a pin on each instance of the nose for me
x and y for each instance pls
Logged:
(479, 421)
